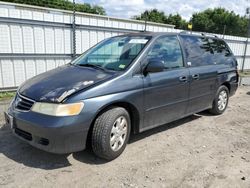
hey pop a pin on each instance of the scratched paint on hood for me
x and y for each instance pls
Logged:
(58, 84)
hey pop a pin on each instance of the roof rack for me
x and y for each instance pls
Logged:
(207, 35)
(183, 32)
(197, 33)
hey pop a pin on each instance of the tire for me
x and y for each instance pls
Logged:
(109, 136)
(220, 103)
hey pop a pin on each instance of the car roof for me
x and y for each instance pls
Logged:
(148, 33)
(183, 33)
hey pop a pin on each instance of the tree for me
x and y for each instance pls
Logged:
(157, 16)
(210, 20)
(153, 15)
(214, 20)
(62, 4)
(176, 20)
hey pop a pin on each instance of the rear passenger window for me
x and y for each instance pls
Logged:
(222, 54)
(167, 49)
(197, 50)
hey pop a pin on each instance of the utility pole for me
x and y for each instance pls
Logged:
(74, 30)
(146, 19)
(224, 30)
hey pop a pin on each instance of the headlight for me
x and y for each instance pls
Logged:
(58, 109)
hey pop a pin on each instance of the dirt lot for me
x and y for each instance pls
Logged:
(198, 151)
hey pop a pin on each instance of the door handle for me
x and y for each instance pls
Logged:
(183, 78)
(195, 76)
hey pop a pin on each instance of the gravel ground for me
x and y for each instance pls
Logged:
(197, 151)
(245, 81)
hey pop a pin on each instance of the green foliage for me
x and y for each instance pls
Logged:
(6, 95)
(244, 74)
(155, 15)
(152, 15)
(210, 20)
(176, 20)
(213, 21)
(62, 4)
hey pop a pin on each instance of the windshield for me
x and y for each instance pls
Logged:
(115, 53)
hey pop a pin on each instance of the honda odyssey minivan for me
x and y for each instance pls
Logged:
(125, 84)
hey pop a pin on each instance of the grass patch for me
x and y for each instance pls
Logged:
(244, 74)
(6, 95)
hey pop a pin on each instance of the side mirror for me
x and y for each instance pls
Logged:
(154, 66)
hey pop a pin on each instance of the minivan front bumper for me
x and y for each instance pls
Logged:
(52, 134)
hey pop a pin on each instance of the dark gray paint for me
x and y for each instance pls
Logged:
(156, 98)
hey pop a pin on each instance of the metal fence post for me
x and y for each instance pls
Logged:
(244, 56)
(74, 31)
(248, 34)
(224, 31)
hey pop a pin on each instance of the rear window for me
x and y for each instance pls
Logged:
(205, 51)
(221, 51)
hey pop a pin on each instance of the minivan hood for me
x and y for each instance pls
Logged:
(57, 84)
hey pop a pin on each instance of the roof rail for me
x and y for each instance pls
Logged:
(208, 34)
(197, 33)
(183, 32)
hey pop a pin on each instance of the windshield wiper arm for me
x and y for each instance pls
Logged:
(91, 65)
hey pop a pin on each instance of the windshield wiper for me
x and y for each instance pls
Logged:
(92, 65)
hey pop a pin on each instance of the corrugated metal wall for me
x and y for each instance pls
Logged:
(35, 39)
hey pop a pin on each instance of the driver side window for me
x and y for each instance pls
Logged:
(167, 50)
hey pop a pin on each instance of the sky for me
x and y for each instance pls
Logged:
(129, 8)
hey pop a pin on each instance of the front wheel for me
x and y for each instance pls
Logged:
(111, 133)
(221, 101)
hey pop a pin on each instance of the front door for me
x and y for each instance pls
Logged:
(166, 92)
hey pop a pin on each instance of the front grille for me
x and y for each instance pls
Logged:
(23, 103)
(23, 134)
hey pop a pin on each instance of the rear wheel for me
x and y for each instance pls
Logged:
(221, 101)
(111, 133)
